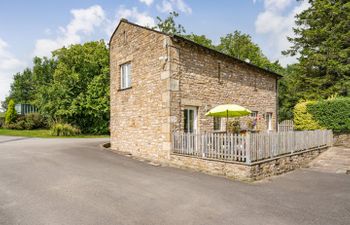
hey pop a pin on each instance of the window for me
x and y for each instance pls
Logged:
(190, 119)
(217, 123)
(254, 114)
(125, 76)
(269, 121)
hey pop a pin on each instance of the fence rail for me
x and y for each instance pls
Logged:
(251, 147)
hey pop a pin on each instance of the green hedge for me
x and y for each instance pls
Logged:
(332, 114)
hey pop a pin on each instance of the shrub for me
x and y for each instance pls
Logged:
(251, 123)
(332, 114)
(64, 129)
(234, 126)
(28, 122)
(303, 120)
(2, 121)
(10, 115)
(35, 121)
(19, 125)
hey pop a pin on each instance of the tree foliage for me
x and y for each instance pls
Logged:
(22, 88)
(303, 120)
(332, 114)
(10, 115)
(168, 25)
(71, 87)
(241, 46)
(200, 39)
(323, 44)
(72, 95)
(288, 93)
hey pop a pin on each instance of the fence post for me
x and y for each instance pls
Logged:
(173, 146)
(247, 148)
(294, 140)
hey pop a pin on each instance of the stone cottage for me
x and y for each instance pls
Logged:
(163, 83)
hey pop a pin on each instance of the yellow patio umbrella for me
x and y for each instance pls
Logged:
(228, 110)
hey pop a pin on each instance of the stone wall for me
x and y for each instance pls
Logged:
(207, 79)
(240, 171)
(342, 140)
(283, 164)
(138, 115)
(213, 167)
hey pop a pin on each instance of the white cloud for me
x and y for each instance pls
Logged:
(171, 5)
(165, 7)
(276, 5)
(84, 22)
(9, 65)
(277, 26)
(141, 18)
(147, 2)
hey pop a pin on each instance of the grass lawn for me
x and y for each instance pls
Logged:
(42, 134)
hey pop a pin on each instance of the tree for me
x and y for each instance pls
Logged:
(10, 115)
(322, 43)
(22, 87)
(200, 39)
(241, 46)
(80, 76)
(169, 25)
(288, 94)
(43, 70)
(93, 106)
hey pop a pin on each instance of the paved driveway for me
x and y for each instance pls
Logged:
(335, 160)
(72, 181)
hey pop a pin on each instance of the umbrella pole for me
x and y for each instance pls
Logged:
(226, 121)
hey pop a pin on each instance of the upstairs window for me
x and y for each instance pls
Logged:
(125, 78)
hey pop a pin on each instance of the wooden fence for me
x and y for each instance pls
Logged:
(251, 147)
(286, 125)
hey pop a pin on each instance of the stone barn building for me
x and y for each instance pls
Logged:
(163, 83)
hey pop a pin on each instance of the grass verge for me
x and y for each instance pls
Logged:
(43, 134)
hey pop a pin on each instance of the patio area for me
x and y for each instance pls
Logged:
(256, 154)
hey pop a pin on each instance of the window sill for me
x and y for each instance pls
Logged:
(124, 89)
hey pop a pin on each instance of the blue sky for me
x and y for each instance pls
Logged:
(37, 27)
